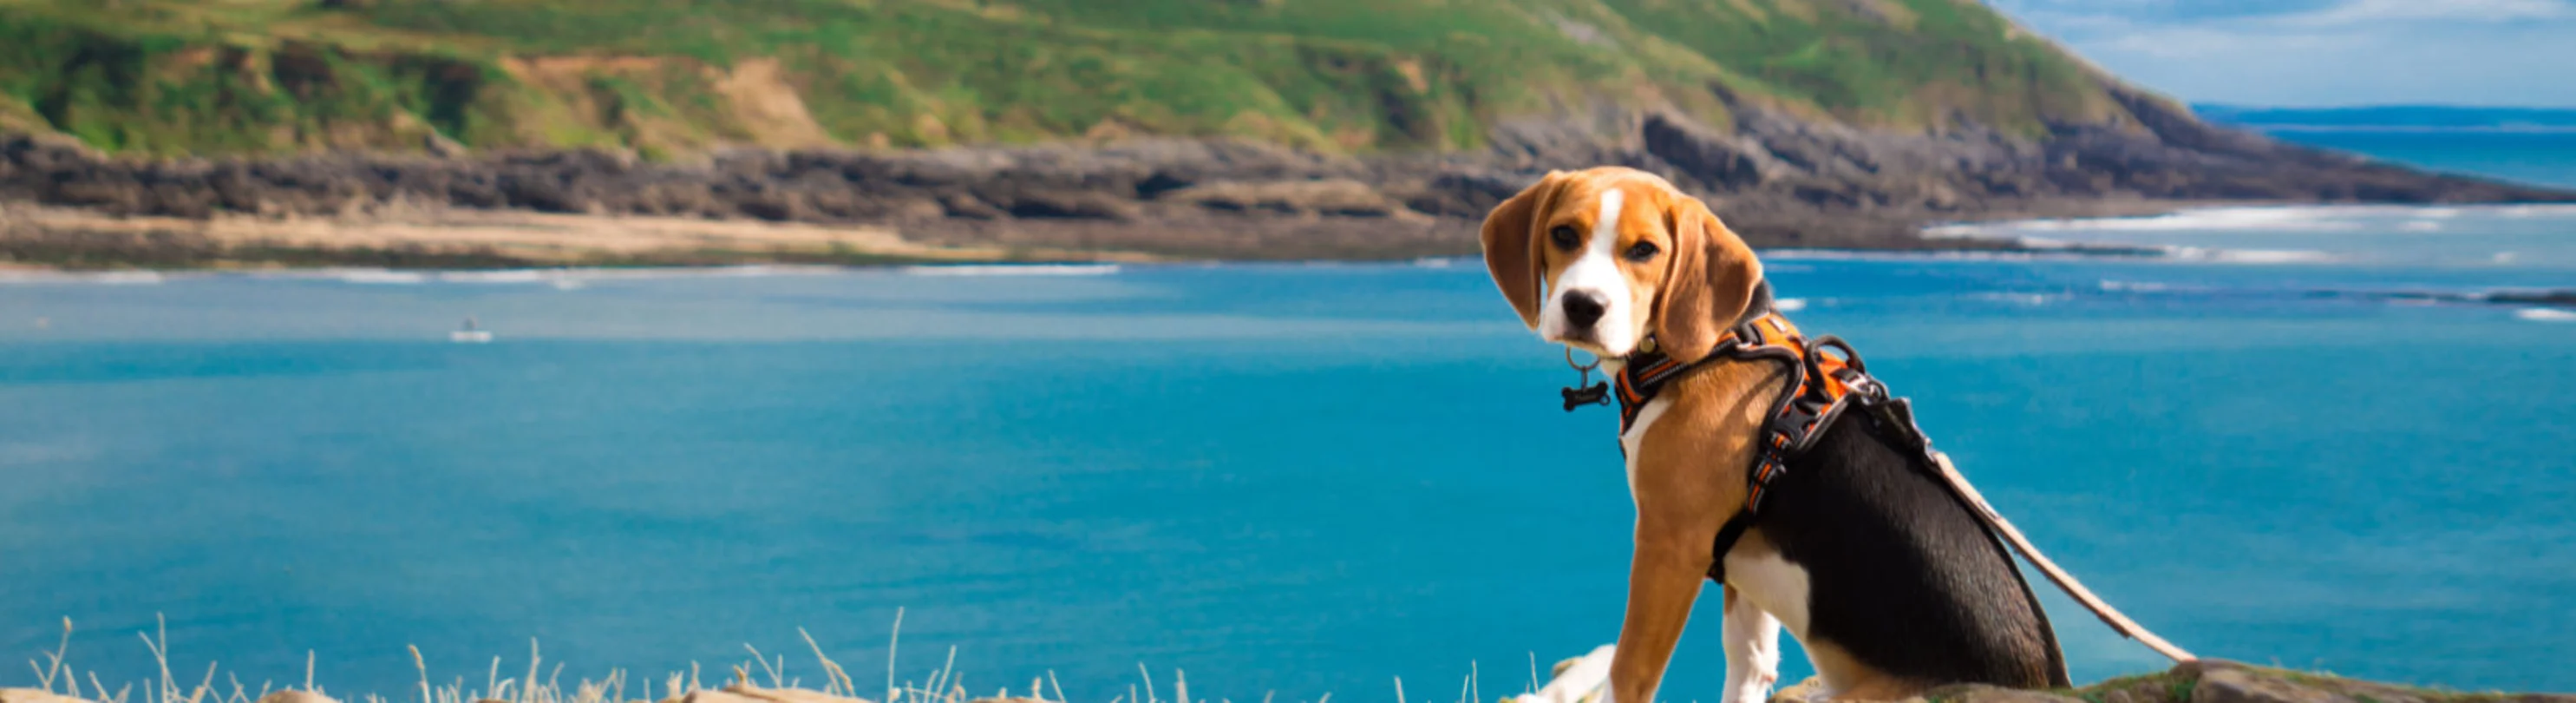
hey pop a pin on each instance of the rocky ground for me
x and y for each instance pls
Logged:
(1779, 180)
(2214, 681)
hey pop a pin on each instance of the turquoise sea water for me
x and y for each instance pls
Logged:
(1300, 479)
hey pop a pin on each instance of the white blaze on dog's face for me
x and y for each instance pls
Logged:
(1601, 259)
(1592, 303)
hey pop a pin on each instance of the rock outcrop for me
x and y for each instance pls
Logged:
(2216, 681)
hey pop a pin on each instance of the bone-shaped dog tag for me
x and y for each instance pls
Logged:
(1579, 395)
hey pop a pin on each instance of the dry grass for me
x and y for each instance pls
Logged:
(762, 678)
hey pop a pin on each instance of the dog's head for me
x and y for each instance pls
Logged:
(1600, 259)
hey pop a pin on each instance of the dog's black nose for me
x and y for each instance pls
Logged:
(1582, 308)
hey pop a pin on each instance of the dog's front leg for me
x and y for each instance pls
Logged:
(1663, 578)
(1752, 650)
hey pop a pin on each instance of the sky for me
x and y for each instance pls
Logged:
(2325, 52)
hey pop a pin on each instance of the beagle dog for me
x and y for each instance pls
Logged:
(1890, 583)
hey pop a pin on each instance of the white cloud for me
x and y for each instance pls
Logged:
(2354, 12)
(2191, 42)
(2497, 52)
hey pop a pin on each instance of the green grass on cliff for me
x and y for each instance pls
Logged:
(265, 76)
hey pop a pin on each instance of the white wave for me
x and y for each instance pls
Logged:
(379, 277)
(750, 270)
(2252, 256)
(1012, 270)
(503, 276)
(2530, 211)
(2109, 285)
(1789, 304)
(2030, 299)
(2266, 218)
(2290, 218)
(1434, 262)
(2274, 256)
(2546, 314)
(1965, 229)
(1772, 255)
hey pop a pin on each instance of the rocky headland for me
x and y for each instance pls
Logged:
(1779, 180)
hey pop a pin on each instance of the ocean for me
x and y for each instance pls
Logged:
(2297, 441)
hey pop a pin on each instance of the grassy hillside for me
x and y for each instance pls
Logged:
(166, 77)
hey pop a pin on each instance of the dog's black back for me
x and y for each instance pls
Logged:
(1901, 575)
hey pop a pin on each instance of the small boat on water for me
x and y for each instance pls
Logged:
(471, 333)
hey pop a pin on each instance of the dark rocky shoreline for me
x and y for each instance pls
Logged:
(1779, 180)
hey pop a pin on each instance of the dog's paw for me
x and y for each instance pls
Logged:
(1812, 690)
(1752, 689)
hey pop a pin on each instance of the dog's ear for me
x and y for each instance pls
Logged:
(1710, 283)
(1511, 245)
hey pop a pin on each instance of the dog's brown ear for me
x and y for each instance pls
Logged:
(1711, 281)
(1511, 246)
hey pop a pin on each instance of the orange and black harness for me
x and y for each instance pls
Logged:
(1822, 387)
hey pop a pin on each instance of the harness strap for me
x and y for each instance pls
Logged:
(1818, 387)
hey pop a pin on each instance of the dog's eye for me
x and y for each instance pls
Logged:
(1564, 238)
(1642, 252)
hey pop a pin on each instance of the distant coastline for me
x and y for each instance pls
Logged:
(2392, 118)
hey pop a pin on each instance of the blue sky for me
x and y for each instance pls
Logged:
(2325, 52)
